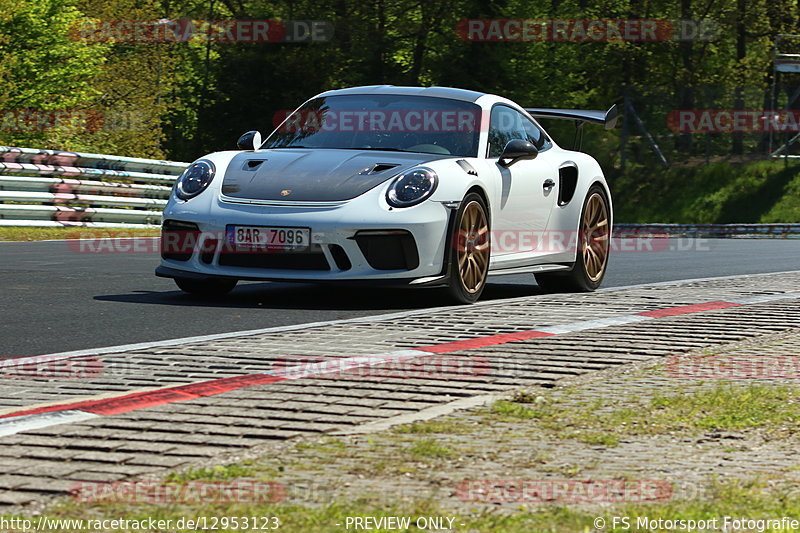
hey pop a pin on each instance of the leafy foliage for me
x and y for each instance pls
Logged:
(183, 99)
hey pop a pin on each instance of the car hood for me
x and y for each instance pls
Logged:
(321, 175)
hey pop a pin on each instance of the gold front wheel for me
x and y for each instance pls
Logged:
(471, 242)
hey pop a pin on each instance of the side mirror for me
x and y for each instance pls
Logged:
(249, 141)
(516, 150)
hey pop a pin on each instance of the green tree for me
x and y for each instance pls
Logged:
(43, 69)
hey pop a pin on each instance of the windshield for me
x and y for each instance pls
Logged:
(382, 122)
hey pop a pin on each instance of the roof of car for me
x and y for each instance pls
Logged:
(436, 92)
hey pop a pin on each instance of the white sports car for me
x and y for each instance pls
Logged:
(408, 186)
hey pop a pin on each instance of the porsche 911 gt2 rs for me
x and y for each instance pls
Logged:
(412, 186)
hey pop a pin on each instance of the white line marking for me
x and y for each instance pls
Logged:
(596, 323)
(12, 426)
(763, 298)
(342, 364)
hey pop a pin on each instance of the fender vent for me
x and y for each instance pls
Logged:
(568, 180)
(466, 167)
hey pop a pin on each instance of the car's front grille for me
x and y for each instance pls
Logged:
(275, 260)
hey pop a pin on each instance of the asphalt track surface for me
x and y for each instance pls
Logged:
(54, 299)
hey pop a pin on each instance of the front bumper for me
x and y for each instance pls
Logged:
(358, 241)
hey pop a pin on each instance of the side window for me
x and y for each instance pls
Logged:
(507, 124)
(535, 135)
(504, 126)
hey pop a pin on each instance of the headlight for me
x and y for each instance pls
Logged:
(194, 179)
(412, 187)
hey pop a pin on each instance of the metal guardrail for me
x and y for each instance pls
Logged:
(54, 188)
(781, 231)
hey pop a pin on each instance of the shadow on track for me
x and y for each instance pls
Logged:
(317, 297)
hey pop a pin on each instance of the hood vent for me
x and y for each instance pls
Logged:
(252, 164)
(377, 168)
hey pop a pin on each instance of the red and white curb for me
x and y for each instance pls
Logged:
(48, 358)
(86, 409)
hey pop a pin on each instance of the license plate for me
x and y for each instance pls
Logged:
(270, 238)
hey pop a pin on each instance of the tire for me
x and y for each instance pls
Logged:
(469, 251)
(594, 239)
(206, 287)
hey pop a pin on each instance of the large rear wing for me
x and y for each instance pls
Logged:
(608, 119)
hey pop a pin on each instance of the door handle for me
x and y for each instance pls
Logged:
(548, 184)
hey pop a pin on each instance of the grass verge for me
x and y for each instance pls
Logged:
(22, 233)
(605, 422)
(415, 470)
(731, 498)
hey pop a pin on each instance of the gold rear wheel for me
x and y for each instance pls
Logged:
(593, 244)
(595, 237)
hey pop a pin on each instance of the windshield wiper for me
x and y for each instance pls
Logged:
(279, 147)
(374, 148)
(380, 149)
